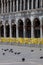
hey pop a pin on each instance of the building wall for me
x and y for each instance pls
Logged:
(13, 11)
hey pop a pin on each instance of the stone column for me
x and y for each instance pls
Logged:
(32, 28)
(36, 4)
(24, 28)
(13, 5)
(17, 28)
(4, 30)
(32, 31)
(32, 4)
(24, 5)
(4, 7)
(10, 6)
(20, 5)
(28, 4)
(17, 5)
(10, 28)
(41, 4)
(1, 6)
(7, 7)
(40, 28)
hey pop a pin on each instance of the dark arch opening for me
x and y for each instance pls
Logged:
(36, 28)
(13, 27)
(7, 29)
(20, 28)
(27, 28)
(1, 30)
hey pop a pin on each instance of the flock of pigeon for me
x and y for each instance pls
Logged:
(17, 53)
(12, 53)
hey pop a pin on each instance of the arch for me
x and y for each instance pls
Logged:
(13, 27)
(20, 28)
(36, 24)
(7, 28)
(1, 29)
(27, 28)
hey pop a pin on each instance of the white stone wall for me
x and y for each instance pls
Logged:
(23, 17)
(22, 14)
(7, 4)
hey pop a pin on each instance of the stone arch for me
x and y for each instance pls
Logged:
(27, 28)
(1, 29)
(7, 29)
(13, 28)
(36, 25)
(20, 28)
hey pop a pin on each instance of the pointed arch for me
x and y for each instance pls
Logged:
(36, 24)
(20, 28)
(27, 28)
(7, 28)
(13, 27)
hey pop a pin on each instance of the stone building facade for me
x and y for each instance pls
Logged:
(21, 18)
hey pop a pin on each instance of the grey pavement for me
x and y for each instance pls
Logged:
(20, 55)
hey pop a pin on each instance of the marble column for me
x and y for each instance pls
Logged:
(24, 28)
(10, 6)
(1, 6)
(13, 5)
(16, 5)
(36, 4)
(16, 28)
(41, 4)
(4, 7)
(7, 7)
(24, 5)
(28, 4)
(32, 4)
(10, 28)
(4, 29)
(32, 31)
(20, 5)
(40, 28)
(32, 28)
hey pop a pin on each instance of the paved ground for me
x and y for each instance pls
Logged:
(18, 55)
